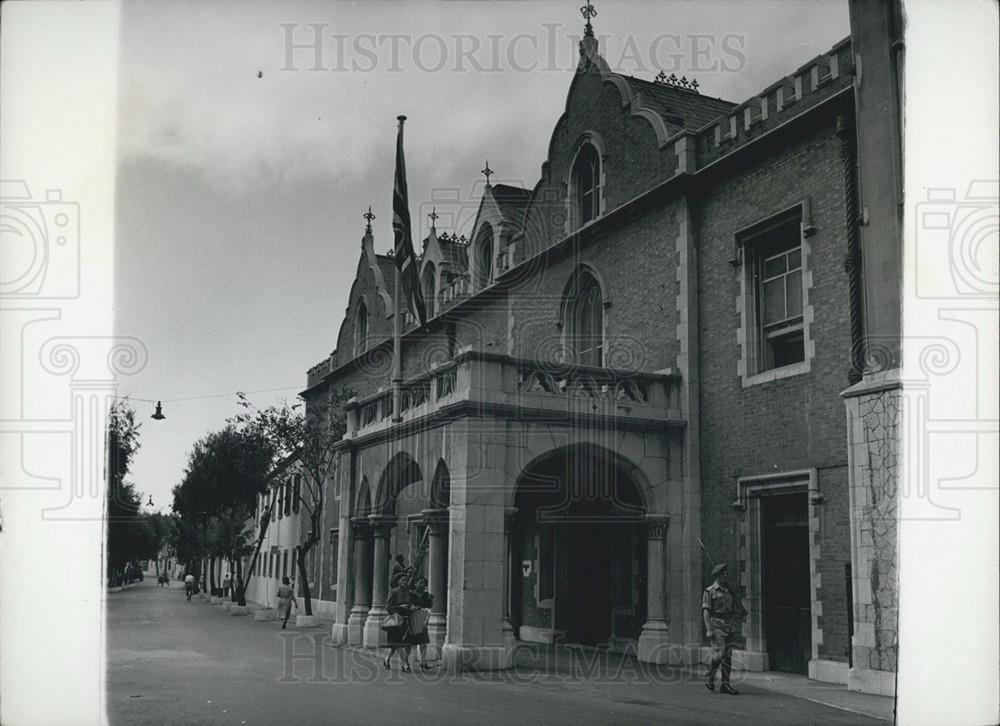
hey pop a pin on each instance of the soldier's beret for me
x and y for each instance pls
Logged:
(719, 568)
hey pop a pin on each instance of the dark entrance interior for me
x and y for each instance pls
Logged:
(580, 526)
(588, 602)
(787, 616)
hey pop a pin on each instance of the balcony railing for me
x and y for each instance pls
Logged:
(496, 385)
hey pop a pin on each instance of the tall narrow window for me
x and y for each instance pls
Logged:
(484, 259)
(587, 184)
(297, 492)
(361, 329)
(429, 288)
(585, 324)
(773, 260)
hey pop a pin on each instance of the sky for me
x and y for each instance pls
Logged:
(253, 136)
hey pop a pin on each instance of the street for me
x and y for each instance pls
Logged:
(174, 662)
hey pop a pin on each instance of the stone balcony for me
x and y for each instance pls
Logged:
(486, 384)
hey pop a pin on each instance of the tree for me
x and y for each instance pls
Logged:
(122, 500)
(308, 439)
(226, 471)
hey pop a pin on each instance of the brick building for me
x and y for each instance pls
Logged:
(649, 350)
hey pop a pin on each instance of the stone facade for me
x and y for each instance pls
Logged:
(516, 441)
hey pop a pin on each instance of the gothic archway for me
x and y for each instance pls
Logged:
(579, 537)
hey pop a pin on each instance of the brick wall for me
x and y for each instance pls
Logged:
(792, 423)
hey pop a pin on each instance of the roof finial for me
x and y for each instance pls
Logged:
(588, 11)
(487, 172)
(368, 220)
(433, 215)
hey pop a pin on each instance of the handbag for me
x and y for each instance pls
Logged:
(418, 621)
(392, 620)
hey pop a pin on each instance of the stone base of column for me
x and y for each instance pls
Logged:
(356, 625)
(239, 610)
(339, 634)
(865, 680)
(507, 638)
(374, 636)
(654, 643)
(437, 627)
(306, 621)
(750, 660)
(455, 658)
(829, 671)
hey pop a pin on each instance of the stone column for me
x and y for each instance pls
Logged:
(437, 575)
(475, 547)
(362, 580)
(506, 628)
(381, 527)
(654, 641)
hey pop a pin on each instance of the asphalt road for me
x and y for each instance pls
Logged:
(174, 662)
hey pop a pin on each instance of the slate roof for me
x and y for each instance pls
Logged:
(512, 202)
(678, 107)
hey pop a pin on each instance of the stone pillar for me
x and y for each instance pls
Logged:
(874, 420)
(506, 629)
(437, 576)
(362, 580)
(475, 548)
(381, 527)
(654, 641)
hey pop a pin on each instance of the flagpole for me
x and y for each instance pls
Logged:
(397, 367)
(397, 326)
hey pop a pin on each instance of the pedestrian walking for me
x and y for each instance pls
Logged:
(418, 636)
(226, 584)
(286, 598)
(189, 586)
(396, 623)
(721, 612)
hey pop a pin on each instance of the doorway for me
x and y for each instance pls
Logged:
(786, 581)
(580, 540)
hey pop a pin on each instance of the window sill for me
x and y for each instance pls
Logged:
(795, 369)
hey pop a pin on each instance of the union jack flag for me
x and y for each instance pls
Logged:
(404, 254)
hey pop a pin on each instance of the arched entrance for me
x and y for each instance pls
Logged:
(579, 550)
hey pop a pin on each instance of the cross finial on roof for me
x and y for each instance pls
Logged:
(588, 11)
(433, 215)
(368, 220)
(488, 172)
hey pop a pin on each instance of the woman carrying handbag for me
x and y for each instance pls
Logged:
(417, 635)
(396, 623)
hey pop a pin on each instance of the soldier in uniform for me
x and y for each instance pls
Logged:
(721, 611)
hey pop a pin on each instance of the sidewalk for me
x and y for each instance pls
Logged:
(570, 660)
(827, 694)
(622, 677)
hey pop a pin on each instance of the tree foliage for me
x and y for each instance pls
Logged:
(309, 439)
(225, 473)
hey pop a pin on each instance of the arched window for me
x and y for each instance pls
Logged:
(429, 288)
(484, 259)
(585, 310)
(361, 329)
(587, 184)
